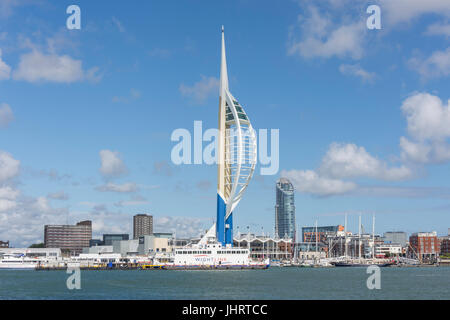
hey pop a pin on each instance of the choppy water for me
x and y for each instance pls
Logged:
(275, 283)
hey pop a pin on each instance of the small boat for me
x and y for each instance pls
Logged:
(364, 264)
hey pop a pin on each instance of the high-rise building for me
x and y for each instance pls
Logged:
(69, 238)
(285, 209)
(142, 225)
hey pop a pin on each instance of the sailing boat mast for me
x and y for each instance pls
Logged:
(345, 234)
(359, 237)
(373, 236)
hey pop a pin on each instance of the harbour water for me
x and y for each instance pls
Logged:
(274, 283)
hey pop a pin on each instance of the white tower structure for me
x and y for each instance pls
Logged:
(237, 149)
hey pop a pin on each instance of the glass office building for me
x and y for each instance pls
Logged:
(285, 209)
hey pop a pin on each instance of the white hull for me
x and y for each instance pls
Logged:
(17, 266)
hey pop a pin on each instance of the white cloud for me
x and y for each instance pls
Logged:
(5, 70)
(118, 24)
(428, 124)
(111, 164)
(201, 90)
(121, 188)
(427, 117)
(438, 29)
(7, 6)
(37, 66)
(6, 115)
(184, 227)
(398, 11)
(61, 195)
(8, 193)
(341, 164)
(307, 181)
(320, 37)
(437, 65)
(351, 161)
(357, 71)
(9, 167)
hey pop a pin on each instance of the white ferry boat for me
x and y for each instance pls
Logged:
(208, 253)
(15, 261)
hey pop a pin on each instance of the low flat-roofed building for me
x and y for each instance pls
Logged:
(49, 253)
(4, 244)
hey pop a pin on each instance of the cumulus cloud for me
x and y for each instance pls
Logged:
(201, 90)
(9, 167)
(341, 164)
(398, 11)
(134, 201)
(183, 227)
(121, 188)
(357, 71)
(22, 220)
(438, 29)
(428, 124)
(351, 161)
(36, 66)
(7, 7)
(436, 65)
(111, 164)
(5, 70)
(320, 37)
(308, 181)
(6, 115)
(60, 195)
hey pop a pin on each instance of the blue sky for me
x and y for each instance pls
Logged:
(86, 115)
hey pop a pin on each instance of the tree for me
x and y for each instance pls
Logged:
(37, 245)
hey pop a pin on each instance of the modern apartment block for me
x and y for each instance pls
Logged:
(426, 245)
(285, 209)
(142, 225)
(70, 239)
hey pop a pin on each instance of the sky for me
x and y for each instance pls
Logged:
(86, 116)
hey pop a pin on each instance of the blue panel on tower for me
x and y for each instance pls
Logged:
(220, 224)
(229, 230)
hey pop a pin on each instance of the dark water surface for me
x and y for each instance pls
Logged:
(274, 283)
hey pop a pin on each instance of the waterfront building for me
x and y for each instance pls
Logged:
(425, 245)
(236, 155)
(95, 242)
(108, 239)
(388, 250)
(263, 247)
(399, 237)
(71, 239)
(4, 244)
(144, 246)
(445, 245)
(142, 225)
(285, 209)
(47, 253)
(309, 233)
